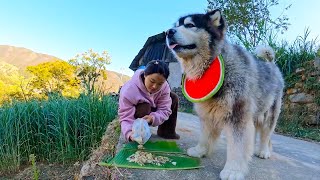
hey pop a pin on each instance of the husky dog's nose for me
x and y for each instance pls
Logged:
(170, 32)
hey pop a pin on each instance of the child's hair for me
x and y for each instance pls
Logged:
(157, 66)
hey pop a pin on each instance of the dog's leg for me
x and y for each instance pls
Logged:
(258, 125)
(267, 129)
(240, 139)
(239, 151)
(213, 139)
(208, 137)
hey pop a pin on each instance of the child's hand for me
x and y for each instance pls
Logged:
(140, 131)
(130, 136)
(148, 118)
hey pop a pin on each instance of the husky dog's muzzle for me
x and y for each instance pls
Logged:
(170, 38)
(174, 44)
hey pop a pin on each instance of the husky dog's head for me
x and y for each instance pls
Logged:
(195, 40)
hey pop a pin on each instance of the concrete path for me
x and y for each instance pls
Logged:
(291, 159)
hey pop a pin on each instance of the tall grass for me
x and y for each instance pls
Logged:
(57, 130)
(290, 56)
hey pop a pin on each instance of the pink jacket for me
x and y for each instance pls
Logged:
(134, 92)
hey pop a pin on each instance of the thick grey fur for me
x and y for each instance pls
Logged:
(249, 100)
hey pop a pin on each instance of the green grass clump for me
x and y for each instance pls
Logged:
(35, 169)
(57, 130)
(291, 123)
(291, 56)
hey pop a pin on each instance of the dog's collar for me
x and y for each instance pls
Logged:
(207, 85)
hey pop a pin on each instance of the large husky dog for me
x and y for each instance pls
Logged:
(249, 97)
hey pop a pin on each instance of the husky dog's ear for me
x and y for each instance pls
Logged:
(215, 17)
(216, 23)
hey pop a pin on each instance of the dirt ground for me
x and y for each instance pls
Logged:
(67, 172)
(48, 171)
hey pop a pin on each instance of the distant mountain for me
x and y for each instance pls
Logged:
(14, 58)
(22, 57)
(113, 82)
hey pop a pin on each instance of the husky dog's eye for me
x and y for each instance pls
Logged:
(189, 25)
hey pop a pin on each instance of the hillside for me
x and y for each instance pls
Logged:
(14, 58)
(113, 82)
(22, 57)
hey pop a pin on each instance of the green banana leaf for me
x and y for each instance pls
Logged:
(156, 146)
(181, 161)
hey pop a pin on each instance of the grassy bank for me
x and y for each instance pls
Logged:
(58, 130)
(290, 123)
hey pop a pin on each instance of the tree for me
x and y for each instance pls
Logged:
(2, 93)
(90, 66)
(13, 85)
(249, 21)
(54, 77)
(19, 89)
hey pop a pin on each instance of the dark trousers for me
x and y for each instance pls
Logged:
(168, 128)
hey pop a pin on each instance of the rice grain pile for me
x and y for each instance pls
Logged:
(142, 158)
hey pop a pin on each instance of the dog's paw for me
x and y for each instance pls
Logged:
(227, 174)
(197, 151)
(263, 154)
